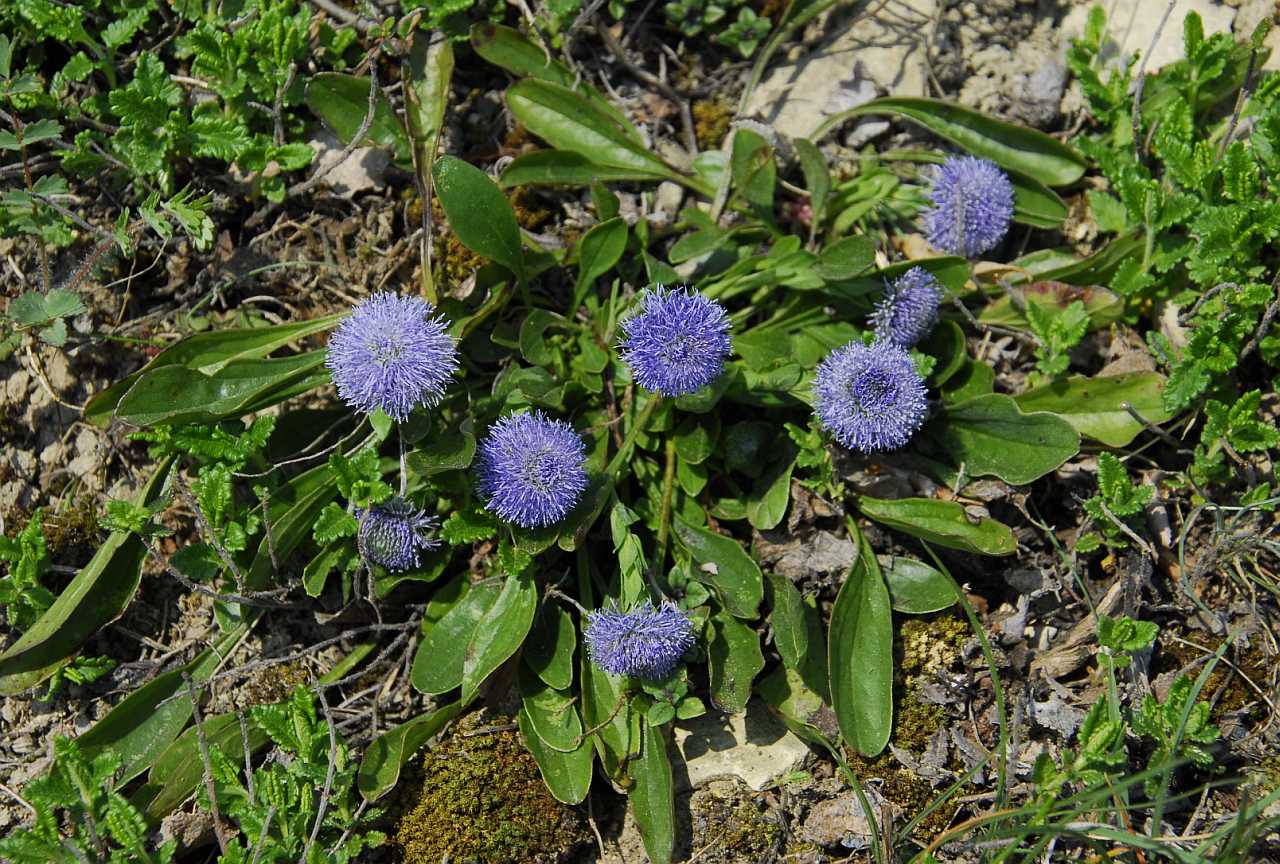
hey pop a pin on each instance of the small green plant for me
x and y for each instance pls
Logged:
(1119, 499)
(278, 809)
(80, 817)
(1180, 730)
(1231, 429)
(22, 594)
(1057, 330)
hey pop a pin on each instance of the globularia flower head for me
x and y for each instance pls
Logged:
(394, 532)
(390, 353)
(909, 308)
(531, 469)
(646, 642)
(972, 206)
(870, 397)
(677, 343)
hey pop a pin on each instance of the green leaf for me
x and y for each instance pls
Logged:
(653, 796)
(1012, 147)
(143, 724)
(917, 588)
(754, 171)
(551, 712)
(599, 251)
(845, 258)
(569, 121)
(817, 177)
(337, 555)
(860, 654)
(450, 450)
(550, 647)
(97, 595)
(60, 303)
(990, 436)
(508, 48)
(1095, 406)
(438, 664)
(946, 344)
(734, 660)
(790, 629)
(771, 492)
(501, 632)
(334, 522)
(567, 775)
(566, 168)
(177, 394)
(1034, 203)
(942, 522)
(722, 563)
(342, 102)
(385, 756)
(480, 215)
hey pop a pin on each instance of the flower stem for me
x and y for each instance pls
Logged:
(638, 425)
(664, 518)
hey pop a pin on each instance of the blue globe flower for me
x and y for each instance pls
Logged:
(393, 533)
(972, 205)
(677, 343)
(390, 353)
(532, 469)
(909, 308)
(646, 642)
(869, 397)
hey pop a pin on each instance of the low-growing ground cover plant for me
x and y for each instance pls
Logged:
(549, 489)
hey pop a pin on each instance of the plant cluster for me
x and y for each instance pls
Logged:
(565, 467)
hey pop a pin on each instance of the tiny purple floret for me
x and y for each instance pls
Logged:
(532, 469)
(393, 533)
(972, 206)
(870, 397)
(646, 642)
(909, 308)
(391, 353)
(677, 343)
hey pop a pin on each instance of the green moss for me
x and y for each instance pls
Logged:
(273, 684)
(923, 646)
(711, 119)
(730, 826)
(1173, 655)
(478, 797)
(911, 793)
(72, 534)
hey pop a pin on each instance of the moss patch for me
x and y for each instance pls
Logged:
(711, 119)
(923, 647)
(477, 796)
(729, 826)
(273, 683)
(1173, 655)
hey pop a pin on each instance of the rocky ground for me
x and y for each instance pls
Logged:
(753, 792)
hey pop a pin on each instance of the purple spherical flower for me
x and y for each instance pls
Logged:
(531, 469)
(393, 533)
(677, 343)
(909, 308)
(390, 353)
(972, 206)
(646, 642)
(870, 397)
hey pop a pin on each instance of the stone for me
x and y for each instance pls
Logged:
(1131, 24)
(363, 169)
(754, 747)
(840, 821)
(873, 55)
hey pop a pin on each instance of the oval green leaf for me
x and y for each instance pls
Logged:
(551, 712)
(380, 767)
(342, 102)
(479, 214)
(501, 631)
(722, 563)
(943, 522)
(653, 800)
(860, 655)
(917, 588)
(1015, 148)
(989, 436)
(550, 648)
(567, 775)
(1095, 406)
(734, 660)
(438, 664)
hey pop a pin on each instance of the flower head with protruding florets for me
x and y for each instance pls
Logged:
(646, 642)
(390, 353)
(532, 469)
(677, 343)
(972, 205)
(870, 397)
(909, 308)
(393, 533)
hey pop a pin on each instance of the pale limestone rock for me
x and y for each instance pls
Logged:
(1132, 23)
(753, 746)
